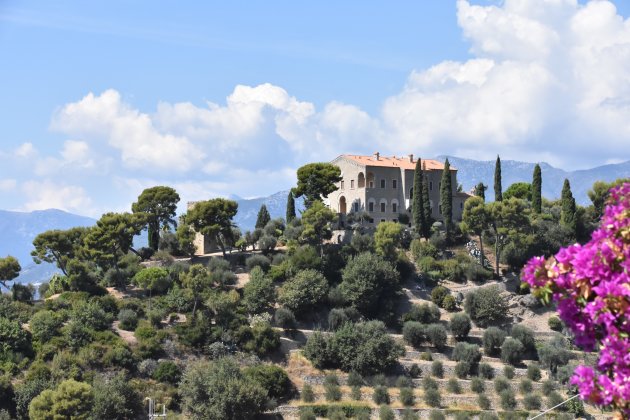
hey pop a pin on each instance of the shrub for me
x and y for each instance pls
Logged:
(511, 351)
(284, 318)
(464, 352)
(354, 379)
(501, 384)
(428, 264)
(380, 396)
(128, 319)
(525, 386)
(409, 414)
(307, 393)
(483, 402)
(413, 333)
(437, 369)
(533, 372)
(336, 318)
(425, 313)
(452, 270)
(477, 385)
(429, 383)
(449, 303)
(554, 354)
(486, 371)
(432, 398)
(379, 380)
(167, 372)
(406, 397)
(508, 372)
(415, 371)
(307, 413)
(303, 292)
(436, 334)
(486, 305)
(386, 413)
(525, 336)
(532, 402)
(462, 369)
(553, 399)
(453, 386)
(436, 415)
(555, 323)
(426, 356)
(492, 339)
(438, 294)
(355, 392)
(508, 401)
(460, 325)
(548, 386)
(271, 378)
(421, 249)
(332, 392)
(404, 382)
(257, 260)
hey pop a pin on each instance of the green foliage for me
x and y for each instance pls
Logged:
(91, 315)
(13, 338)
(425, 313)
(438, 294)
(153, 279)
(415, 371)
(168, 372)
(460, 325)
(537, 190)
(420, 249)
(525, 336)
(386, 413)
(509, 372)
(413, 333)
(290, 213)
(446, 196)
(533, 372)
(501, 384)
(219, 390)
(284, 318)
(9, 269)
(71, 399)
(307, 413)
(257, 260)
(409, 414)
(58, 246)
(417, 202)
(316, 180)
(128, 319)
(508, 400)
(599, 194)
(548, 386)
(553, 399)
(159, 205)
(185, 237)
(498, 191)
(449, 303)
(568, 215)
(332, 392)
(336, 318)
(477, 385)
(525, 386)
(387, 239)
(436, 334)
(432, 398)
(263, 217)
(462, 369)
(44, 325)
(436, 415)
(521, 190)
(512, 351)
(555, 323)
(554, 354)
(260, 339)
(484, 403)
(532, 402)
(380, 396)
(307, 394)
(465, 352)
(115, 398)
(437, 368)
(429, 383)
(369, 284)
(304, 291)
(317, 224)
(453, 386)
(259, 294)
(213, 218)
(486, 305)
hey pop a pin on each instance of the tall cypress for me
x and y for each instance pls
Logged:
(426, 201)
(290, 207)
(263, 217)
(446, 196)
(567, 215)
(537, 190)
(417, 204)
(498, 191)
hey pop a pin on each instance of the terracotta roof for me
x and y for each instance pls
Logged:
(395, 162)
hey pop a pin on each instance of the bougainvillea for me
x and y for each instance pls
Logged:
(590, 284)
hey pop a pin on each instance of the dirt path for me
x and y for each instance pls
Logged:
(127, 336)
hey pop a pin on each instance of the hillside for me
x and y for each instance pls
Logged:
(276, 204)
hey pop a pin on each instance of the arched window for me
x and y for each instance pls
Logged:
(370, 180)
(394, 206)
(383, 204)
(361, 180)
(371, 204)
(342, 205)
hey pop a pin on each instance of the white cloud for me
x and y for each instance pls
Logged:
(75, 156)
(25, 150)
(7, 184)
(41, 195)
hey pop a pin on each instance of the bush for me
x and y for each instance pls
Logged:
(404, 382)
(304, 292)
(501, 384)
(257, 260)
(436, 334)
(380, 396)
(409, 414)
(432, 398)
(555, 323)
(532, 402)
(437, 369)
(167, 372)
(355, 393)
(554, 354)
(421, 249)
(425, 313)
(386, 413)
(128, 319)
(378, 380)
(553, 399)
(486, 305)
(271, 378)
(307, 413)
(508, 372)
(284, 318)
(453, 386)
(464, 352)
(436, 415)
(332, 392)
(525, 386)
(533, 372)
(477, 385)
(438, 294)
(426, 356)
(492, 340)
(415, 371)
(406, 397)
(486, 371)
(429, 383)
(508, 401)
(336, 318)
(548, 386)
(460, 325)
(512, 351)
(525, 336)
(413, 333)
(462, 369)
(354, 379)
(449, 303)
(483, 402)
(307, 394)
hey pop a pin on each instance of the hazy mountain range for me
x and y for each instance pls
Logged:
(18, 229)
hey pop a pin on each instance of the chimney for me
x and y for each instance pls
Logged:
(377, 156)
(411, 158)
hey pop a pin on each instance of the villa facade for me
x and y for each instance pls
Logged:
(382, 187)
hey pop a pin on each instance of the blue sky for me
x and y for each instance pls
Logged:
(102, 99)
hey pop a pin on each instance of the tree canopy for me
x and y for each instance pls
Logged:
(522, 190)
(316, 180)
(160, 205)
(446, 196)
(537, 190)
(213, 218)
(58, 246)
(263, 217)
(9, 269)
(498, 190)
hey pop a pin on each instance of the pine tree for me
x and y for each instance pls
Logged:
(567, 215)
(417, 204)
(537, 190)
(426, 201)
(498, 191)
(480, 191)
(263, 217)
(446, 197)
(290, 207)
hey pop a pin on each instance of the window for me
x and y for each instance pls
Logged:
(430, 185)
(440, 208)
(356, 207)
(352, 183)
(395, 207)
(440, 186)
(382, 220)
(342, 184)
(411, 193)
(382, 183)
(394, 220)
(382, 207)
(371, 206)
(371, 184)
(395, 183)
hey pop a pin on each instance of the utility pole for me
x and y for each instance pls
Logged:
(152, 414)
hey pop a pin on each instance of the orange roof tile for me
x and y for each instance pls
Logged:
(396, 162)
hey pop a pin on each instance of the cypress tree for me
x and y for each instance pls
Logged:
(417, 204)
(426, 201)
(263, 217)
(498, 191)
(480, 191)
(537, 190)
(567, 215)
(290, 207)
(446, 196)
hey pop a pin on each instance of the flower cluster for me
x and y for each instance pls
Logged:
(591, 285)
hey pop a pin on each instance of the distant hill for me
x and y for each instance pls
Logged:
(471, 172)
(276, 205)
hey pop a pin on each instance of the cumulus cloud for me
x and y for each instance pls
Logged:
(48, 194)
(25, 150)
(7, 184)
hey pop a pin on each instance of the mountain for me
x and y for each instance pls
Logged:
(276, 205)
(471, 172)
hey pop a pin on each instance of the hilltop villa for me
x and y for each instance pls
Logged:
(383, 187)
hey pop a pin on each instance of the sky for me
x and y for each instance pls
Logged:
(99, 100)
